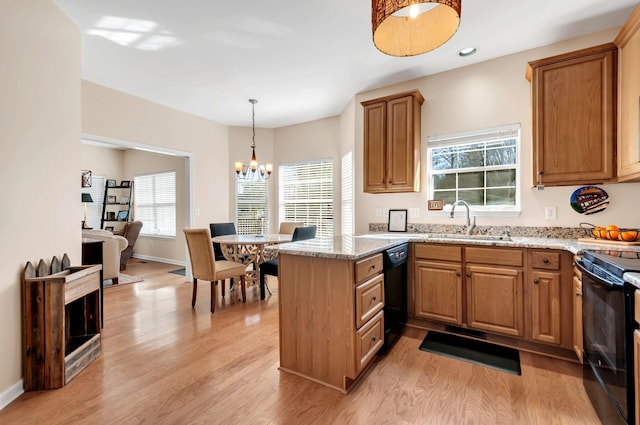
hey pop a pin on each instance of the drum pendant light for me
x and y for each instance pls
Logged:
(427, 25)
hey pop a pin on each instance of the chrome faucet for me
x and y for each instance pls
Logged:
(470, 226)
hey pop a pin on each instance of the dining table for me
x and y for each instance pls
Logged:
(249, 249)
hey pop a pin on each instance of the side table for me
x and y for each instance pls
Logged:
(92, 254)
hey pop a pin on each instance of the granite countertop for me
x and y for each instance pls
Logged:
(355, 247)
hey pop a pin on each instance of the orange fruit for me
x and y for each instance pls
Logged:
(613, 231)
(628, 235)
(599, 232)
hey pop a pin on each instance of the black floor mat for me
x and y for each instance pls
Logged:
(470, 350)
(181, 272)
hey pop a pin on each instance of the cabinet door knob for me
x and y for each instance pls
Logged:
(458, 274)
(578, 294)
(536, 281)
(468, 274)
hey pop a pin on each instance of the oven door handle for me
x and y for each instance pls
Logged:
(610, 286)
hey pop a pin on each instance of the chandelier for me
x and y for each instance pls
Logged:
(253, 170)
(427, 25)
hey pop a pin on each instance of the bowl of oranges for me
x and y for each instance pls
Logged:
(611, 232)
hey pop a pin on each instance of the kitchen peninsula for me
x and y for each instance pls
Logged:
(331, 315)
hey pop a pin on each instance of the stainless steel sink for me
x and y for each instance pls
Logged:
(462, 236)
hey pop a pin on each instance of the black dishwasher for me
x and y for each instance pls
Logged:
(395, 292)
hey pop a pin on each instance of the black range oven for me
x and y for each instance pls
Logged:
(608, 324)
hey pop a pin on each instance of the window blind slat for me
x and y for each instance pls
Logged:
(155, 203)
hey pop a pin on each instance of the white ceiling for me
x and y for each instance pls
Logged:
(303, 60)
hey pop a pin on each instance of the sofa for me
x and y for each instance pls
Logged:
(111, 250)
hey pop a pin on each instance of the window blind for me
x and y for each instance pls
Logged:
(154, 203)
(251, 207)
(347, 193)
(306, 194)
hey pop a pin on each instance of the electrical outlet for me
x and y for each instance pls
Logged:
(550, 213)
(196, 212)
(378, 212)
(414, 212)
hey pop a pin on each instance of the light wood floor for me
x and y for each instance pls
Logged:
(164, 363)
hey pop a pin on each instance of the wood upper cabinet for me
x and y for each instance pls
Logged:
(392, 143)
(573, 99)
(628, 42)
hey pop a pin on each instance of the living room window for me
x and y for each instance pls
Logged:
(251, 207)
(347, 193)
(154, 203)
(481, 167)
(306, 194)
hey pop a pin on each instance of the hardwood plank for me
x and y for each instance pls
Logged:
(163, 362)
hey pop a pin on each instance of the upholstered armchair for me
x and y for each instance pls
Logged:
(130, 232)
(111, 249)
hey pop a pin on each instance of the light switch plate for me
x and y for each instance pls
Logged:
(550, 213)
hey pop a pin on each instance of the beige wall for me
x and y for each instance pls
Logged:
(103, 161)
(110, 114)
(318, 139)
(488, 94)
(39, 161)
(170, 250)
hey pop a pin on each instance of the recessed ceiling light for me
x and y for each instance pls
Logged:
(467, 51)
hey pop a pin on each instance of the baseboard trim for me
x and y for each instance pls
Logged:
(12, 393)
(159, 260)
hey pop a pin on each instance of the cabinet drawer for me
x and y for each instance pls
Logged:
(369, 340)
(438, 252)
(368, 267)
(545, 260)
(503, 257)
(369, 299)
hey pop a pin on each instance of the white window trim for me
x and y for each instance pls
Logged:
(487, 134)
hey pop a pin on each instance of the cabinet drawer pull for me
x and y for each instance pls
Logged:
(372, 267)
(374, 298)
(373, 339)
(546, 260)
(578, 294)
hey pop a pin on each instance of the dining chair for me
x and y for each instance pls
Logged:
(205, 267)
(287, 227)
(221, 229)
(271, 267)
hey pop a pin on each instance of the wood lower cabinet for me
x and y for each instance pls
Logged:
(438, 283)
(518, 297)
(392, 143)
(573, 100)
(550, 287)
(495, 300)
(578, 344)
(438, 291)
(628, 42)
(331, 317)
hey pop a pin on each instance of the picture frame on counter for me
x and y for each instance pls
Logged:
(397, 221)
